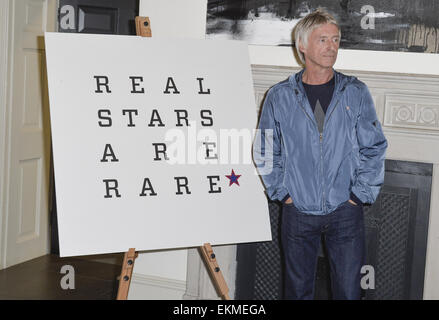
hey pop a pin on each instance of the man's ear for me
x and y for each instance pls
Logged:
(302, 48)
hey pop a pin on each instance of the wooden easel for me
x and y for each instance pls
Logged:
(214, 270)
(125, 275)
(143, 29)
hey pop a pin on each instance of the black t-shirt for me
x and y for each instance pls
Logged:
(320, 93)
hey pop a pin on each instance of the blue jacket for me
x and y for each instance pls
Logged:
(319, 171)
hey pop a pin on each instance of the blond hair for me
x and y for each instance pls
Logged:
(305, 26)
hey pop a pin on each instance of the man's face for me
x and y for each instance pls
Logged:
(322, 48)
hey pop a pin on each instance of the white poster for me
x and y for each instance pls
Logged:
(152, 143)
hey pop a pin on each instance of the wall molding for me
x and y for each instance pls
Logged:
(153, 287)
(411, 111)
(155, 281)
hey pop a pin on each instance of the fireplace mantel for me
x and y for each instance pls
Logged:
(408, 107)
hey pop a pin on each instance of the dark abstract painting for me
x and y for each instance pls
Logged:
(390, 25)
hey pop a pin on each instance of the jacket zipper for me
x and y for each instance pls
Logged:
(321, 153)
(321, 146)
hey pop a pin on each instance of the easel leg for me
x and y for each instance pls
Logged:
(214, 271)
(126, 273)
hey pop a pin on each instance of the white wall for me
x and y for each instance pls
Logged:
(162, 275)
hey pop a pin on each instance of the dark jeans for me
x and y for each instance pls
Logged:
(344, 234)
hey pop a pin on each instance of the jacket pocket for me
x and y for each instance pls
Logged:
(341, 184)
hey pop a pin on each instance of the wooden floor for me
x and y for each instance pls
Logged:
(41, 279)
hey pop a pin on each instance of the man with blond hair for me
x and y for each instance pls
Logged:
(321, 154)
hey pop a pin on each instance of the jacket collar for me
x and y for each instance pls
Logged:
(295, 80)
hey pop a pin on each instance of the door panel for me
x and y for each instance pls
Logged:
(29, 195)
(27, 217)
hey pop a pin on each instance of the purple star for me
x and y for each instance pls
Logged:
(233, 178)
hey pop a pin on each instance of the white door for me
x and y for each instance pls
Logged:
(27, 144)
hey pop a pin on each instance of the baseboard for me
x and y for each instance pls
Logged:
(147, 287)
